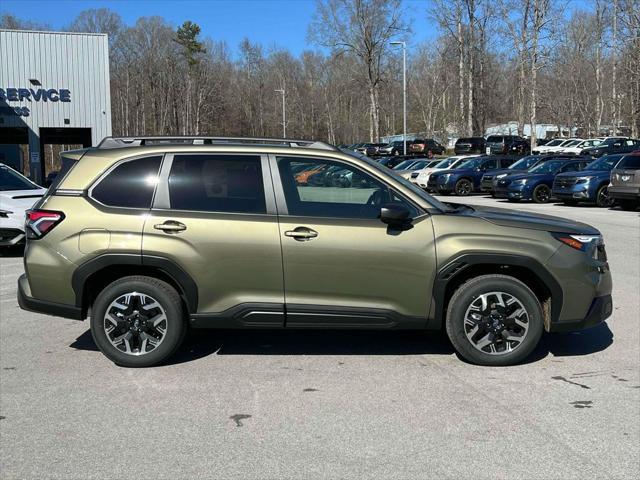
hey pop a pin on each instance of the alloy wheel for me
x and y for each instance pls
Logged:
(603, 199)
(135, 323)
(542, 194)
(463, 188)
(496, 323)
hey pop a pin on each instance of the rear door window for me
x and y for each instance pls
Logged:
(217, 183)
(131, 184)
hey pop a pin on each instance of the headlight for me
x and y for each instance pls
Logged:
(521, 181)
(584, 179)
(502, 175)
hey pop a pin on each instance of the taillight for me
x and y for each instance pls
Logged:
(41, 222)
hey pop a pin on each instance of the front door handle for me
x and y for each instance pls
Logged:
(301, 234)
(170, 226)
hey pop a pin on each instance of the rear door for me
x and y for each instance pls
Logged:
(214, 217)
(342, 266)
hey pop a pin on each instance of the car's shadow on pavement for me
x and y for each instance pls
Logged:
(202, 343)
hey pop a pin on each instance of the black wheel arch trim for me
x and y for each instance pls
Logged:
(459, 264)
(187, 286)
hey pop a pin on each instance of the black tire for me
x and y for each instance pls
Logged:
(571, 203)
(469, 292)
(169, 300)
(628, 205)
(541, 194)
(603, 200)
(493, 195)
(463, 187)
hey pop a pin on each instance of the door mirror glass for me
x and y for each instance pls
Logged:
(395, 214)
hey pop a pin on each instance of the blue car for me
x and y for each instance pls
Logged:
(590, 185)
(536, 184)
(466, 178)
(488, 181)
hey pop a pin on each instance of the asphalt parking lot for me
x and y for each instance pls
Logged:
(326, 404)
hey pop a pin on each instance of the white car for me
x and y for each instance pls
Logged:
(578, 147)
(556, 145)
(421, 177)
(17, 195)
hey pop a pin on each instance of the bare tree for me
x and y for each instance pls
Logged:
(363, 28)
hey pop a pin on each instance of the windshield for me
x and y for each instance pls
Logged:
(631, 162)
(404, 165)
(473, 163)
(525, 163)
(447, 162)
(548, 167)
(572, 143)
(554, 143)
(495, 139)
(420, 164)
(605, 163)
(12, 180)
(411, 186)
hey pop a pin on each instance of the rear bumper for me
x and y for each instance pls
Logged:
(600, 309)
(31, 304)
(625, 193)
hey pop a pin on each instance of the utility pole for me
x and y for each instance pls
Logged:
(404, 95)
(284, 114)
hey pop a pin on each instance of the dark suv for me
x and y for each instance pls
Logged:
(468, 145)
(466, 178)
(153, 236)
(503, 144)
(612, 145)
(590, 185)
(423, 147)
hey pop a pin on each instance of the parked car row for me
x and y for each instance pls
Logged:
(422, 147)
(572, 179)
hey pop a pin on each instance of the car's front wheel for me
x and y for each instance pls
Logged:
(138, 321)
(494, 320)
(463, 187)
(603, 200)
(541, 194)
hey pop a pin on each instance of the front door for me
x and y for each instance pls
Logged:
(342, 266)
(214, 216)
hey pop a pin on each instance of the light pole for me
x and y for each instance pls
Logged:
(404, 95)
(284, 114)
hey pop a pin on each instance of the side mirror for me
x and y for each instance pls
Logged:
(395, 214)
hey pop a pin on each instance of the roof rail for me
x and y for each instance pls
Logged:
(120, 142)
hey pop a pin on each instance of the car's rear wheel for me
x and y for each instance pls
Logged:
(138, 321)
(603, 200)
(628, 204)
(541, 194)
(463, 187)
(494, 320)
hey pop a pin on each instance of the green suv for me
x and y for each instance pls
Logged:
(152, 236)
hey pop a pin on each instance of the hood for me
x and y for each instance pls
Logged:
(508, 171)
(13, 200)
(534, 221)
(528, 176)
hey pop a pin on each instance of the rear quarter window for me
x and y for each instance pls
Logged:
(130, 184)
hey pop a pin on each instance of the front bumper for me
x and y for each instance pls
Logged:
(27, 302)
(601, 308)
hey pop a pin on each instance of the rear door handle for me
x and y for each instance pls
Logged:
(170, 226)
(301, 234)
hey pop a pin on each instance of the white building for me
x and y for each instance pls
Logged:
(54, 89)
